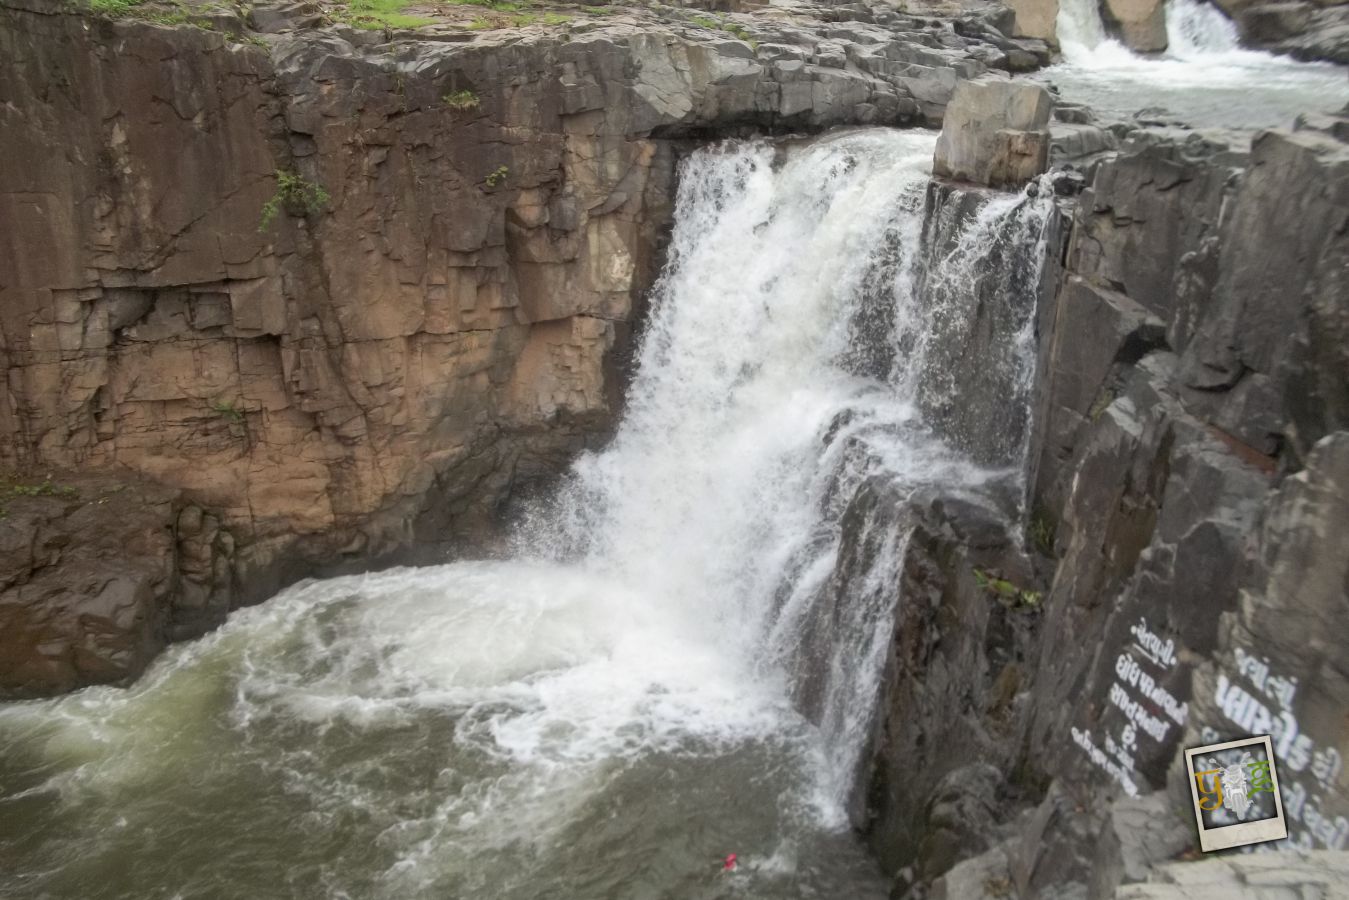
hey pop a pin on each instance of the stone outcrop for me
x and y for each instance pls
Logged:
(995, 133)
(1036, 19)
(352, 291)
(1140, 24)
(96, 574)
(1188, 493)
(1301, 28)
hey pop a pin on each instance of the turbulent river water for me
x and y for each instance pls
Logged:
(609, 712)
(1204, 79)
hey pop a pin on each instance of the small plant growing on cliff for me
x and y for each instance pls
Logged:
(461, 100)
(1099, 405)
(1041, 532)
(227, 411)
(1005, 591)
(295, 195)
(497, 177)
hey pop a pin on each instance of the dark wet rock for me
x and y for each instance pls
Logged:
(96, 575)
(1189, 480)
(1307, 30)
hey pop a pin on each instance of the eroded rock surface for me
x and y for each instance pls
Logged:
(97, 574)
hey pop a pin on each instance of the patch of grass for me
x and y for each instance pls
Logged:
(44, 488)
(501, 6)
(515, 20)
(14, 489)
(174, 17)
(461, 100)
(1005, 591)
(497, 177)
(373, 15)
(295, 195)
(180, 14)
(113, 7)
(739, 32)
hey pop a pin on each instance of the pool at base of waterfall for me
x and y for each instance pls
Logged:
(1204, 79)
(476, 730)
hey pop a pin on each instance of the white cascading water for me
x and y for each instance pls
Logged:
(617, 707)
(1204, 79)
(1194, 29)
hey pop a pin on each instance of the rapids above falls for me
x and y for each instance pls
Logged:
(618, 706)
(1204, 79)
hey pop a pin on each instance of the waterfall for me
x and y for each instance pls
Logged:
(1080, 29)
(683, 656)
(1194, 28)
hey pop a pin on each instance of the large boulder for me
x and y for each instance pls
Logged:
(996, 133)
(1036, 19)
(1140, 24)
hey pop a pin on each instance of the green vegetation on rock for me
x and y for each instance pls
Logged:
(376, 14)
(737, 31)
(461, 100)
(227, 410)
(1005, 591)
(13, 487)
(295, 195)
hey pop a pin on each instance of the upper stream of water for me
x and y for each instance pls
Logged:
(1204, 79)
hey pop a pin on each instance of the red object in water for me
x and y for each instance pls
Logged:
(729, 864)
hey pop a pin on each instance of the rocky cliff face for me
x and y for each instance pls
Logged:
(1188, 496)
(350, 291)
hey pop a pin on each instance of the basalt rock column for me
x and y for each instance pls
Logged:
(995, 133)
